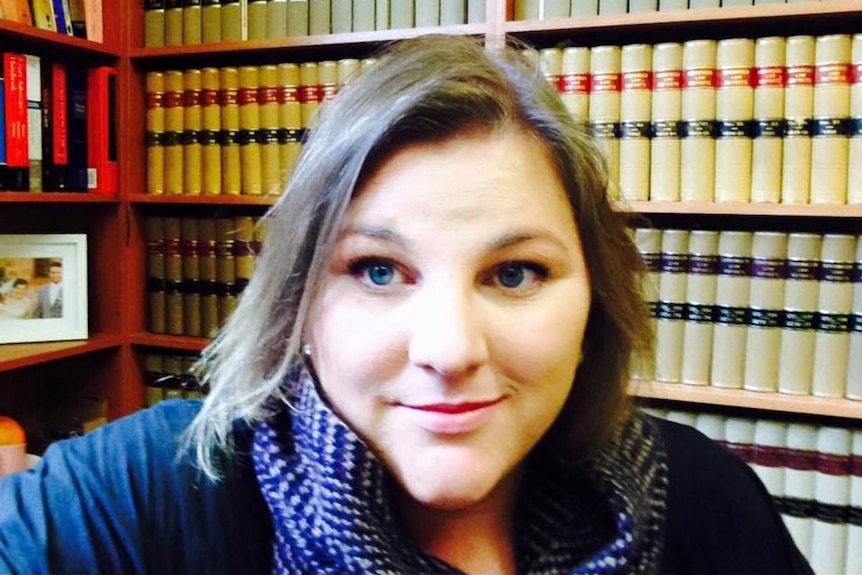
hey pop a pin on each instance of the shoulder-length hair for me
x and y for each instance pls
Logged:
(423, 90)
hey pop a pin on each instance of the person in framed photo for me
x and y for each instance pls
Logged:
(50, 304)
(18, 304)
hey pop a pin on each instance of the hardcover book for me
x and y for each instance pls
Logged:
(173, 22)
(666, 122)
(55, 128)
(342, 16)
(635, 113)
(17, 122)
(207, 264)
(734, 114)
(102, 130)
(173, 138)
(854, 172)
(192, 325)
(173, 276)
(191, 139)
(34, 122)
(43, 15)
(289, 118)
(210, 136)
(192, 22)
(605, 85)
(154, 23)
(297, 17)
(574, 86)
(832, 496)
(697, 145)
(276, 18)
(154, 235)
(319, 16)
(799, 111)
(696, 342)
(155, 121)
(731, 309)
(427, 13)
(249, 130)
(671, 305)
(230, 156)
(363, 15)
(401, 14)
(454, 12)
(767, 131)
(271, 181)
(210, 21)
(257, 19)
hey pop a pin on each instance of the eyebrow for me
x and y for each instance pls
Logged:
(502, 243)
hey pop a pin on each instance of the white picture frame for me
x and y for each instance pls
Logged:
(34, 307)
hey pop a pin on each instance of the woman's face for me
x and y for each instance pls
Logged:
(449, 326)
(19, 292)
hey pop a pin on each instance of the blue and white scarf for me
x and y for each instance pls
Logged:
(329, 497)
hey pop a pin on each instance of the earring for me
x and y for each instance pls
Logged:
(306, 349)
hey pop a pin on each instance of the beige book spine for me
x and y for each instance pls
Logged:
(526, 9)
(173, 277)
(574, 85)
(155, 119)
(835, 304)
(207, 262)
(830, 145)
(154, 26)
(635, 115)
(648, 242)
(584, 8)
(731, 299)
(613, 6)
(319, 17)
(427, 13)
(243, 250)
(276, 19)
(555, 8)
(210, 21)
(226, 290)
(605, 88)
(551, 65)
(666, 116)
(173, 22)
(770, 453)
(766, 300)
(191, 278)
(668, 5)
(289, 119)
(766, 153)
(257, 19)
(230, 125)
(854, 361)
(702, 268)
(831, 488)
(636, 6)
(798, 110)
(697, 150)
(799, 480)
(476, 11)
(173, 132)
(269, 146)
(249, 131)
(192, 33)
(210, 136)
(734, 112)
(342, 16)
(234, 20)
(348, 70)
(801, 290)
(297, 17)
(192, 126)
(454, 12)
(854, 167)
(739, 437)
(853, 564)
(711, 425)
(381, 15)
(670, 326)
(327, 80)
(363, 15)
(154, 235)
(401, 13)
(309, 92)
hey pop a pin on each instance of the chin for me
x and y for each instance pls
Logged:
(451, 485)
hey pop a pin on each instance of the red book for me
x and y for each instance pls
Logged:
(60, 129)
(102, 130)
(15, 86)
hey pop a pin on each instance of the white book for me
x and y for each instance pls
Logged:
(854, 361)
(767, 145)
(648, 242)
(798, 111)
(635, 110)
(574, 84)
(734, 113)
(33, 88)
(682, 417)
(666, 116)
(832, 494)
(671, 306)
(605, 62)
(770, 444)
(854, 168)
(731, 309)
(697, 155)
(739, 437)
(854, 529)
(712, 425)
(702, 267)
(799, 477)
(584, 8)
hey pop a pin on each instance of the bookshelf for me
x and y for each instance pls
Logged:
(111, 359)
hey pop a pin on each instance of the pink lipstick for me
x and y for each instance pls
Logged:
(453, 418)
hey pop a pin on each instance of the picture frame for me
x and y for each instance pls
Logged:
(43, 287)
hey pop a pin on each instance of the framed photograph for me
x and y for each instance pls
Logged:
(43, 287)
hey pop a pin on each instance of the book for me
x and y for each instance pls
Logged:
(342, 16)
(234, 20)
(155, 126)
(739, 437)
(427, 13)
(297, 17)
(697, 145)
(853, 563)
(712, 425)
(854, 154)
(731, 309)
(613, 6)
(401, 14)
(832, 495)
(799, 476)
(526, 9)
(34, 122)
(801, 288)
(16, 120)
(830, 143)
(174, 22)
(551, 65)
(94, 21)
(78, 18)
(154, 236)
(230, 125)
(55, 128)
(309, 94)
(648, 243)
(854, 362)
(243, 251)
(696, 341)
(192, 324)
(43, 15)
(207, 265)
(584, 8)
(834, 305)
(226, 290)
(574, 85)
(798, 111)
(192, 22)
(670, 324)
(102, 130)
(17, 11)
(257, 19)
(62, 19)
(173, 138)
(767, 128)
(363, 15)
(770, 454)
(289, 119)
(666, 114)
(605, 89)
(269, 147)
(734, 114)
(476, 11)
(210, 21)
(635, 114)
(667, 5)
(454, 12)
(327, 80)
(319, 17)
(276, 19)
(173, 276)
(381, 15)
(210, 135)
(249, 130)
(636, 6)
(191, 138)
(765, 303)
(154, 23)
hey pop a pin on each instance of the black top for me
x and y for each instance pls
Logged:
(120, 501)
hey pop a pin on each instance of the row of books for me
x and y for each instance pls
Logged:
(57, 126)
(542, 9)
(196, 269)
(79, 18)
(234, 130)
(184, 22)
(763, 311)
(736, 120)
(168, 376)
(814, 474)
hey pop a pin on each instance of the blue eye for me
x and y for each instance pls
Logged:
(380, 274)
(511, 276)
(519, 277)
(374, 272)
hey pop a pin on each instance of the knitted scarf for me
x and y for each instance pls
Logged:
(332, 513)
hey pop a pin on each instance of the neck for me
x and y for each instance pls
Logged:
(476, 539)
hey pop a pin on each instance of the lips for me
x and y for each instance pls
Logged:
(450, 419)
(455, 408)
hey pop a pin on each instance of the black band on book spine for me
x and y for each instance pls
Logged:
(803, 270)
(229, 138)
(855, 127)
(737, 266)
(635, 130)
(839, 272)
(729, 315)
(191, 137)
(674, 263)
(796, 507)
(825, 127)
(668, 129)
(767, 129)
(798, 128)
(191, 3)
(700, 312)
(172, 139)
(855, 323)
(697, 129)
(246, 137)
(830, 513)
(241, 284)
(155, 139)
(209, 137)
(208, 288)
(223, 2)
(854, 516)
(857, 273)
(173, 4)
(768, 269)
(207, 3)
(289, 135)
(832, 322)
(156, 285)
(699, 264)
(268, 136)
(652, 261)
(733, 129)
(191, 287)
(764, 318)
(154, 5)
(672, 311)
(798, 320)
(653, 308)
(173, 287)
(605, 130)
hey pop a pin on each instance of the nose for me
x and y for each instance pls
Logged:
(447, 333)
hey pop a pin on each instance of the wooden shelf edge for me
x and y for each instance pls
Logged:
(694, 16)
(204, 200)
(56, 198)
(17, 355)
(742, 209)
(176, 342)
(18, 31)
(298, 42)
(762, 401)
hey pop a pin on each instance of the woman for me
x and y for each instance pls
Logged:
(427, 373)
(18, 304)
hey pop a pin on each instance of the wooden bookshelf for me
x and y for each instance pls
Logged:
(174, 342)
(31, 39)
(56, 198)
(744, 209)
(224, 200)
(19, 355)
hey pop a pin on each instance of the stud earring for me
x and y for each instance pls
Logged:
(306, 349)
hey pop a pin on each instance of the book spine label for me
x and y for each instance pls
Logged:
(15, 87)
